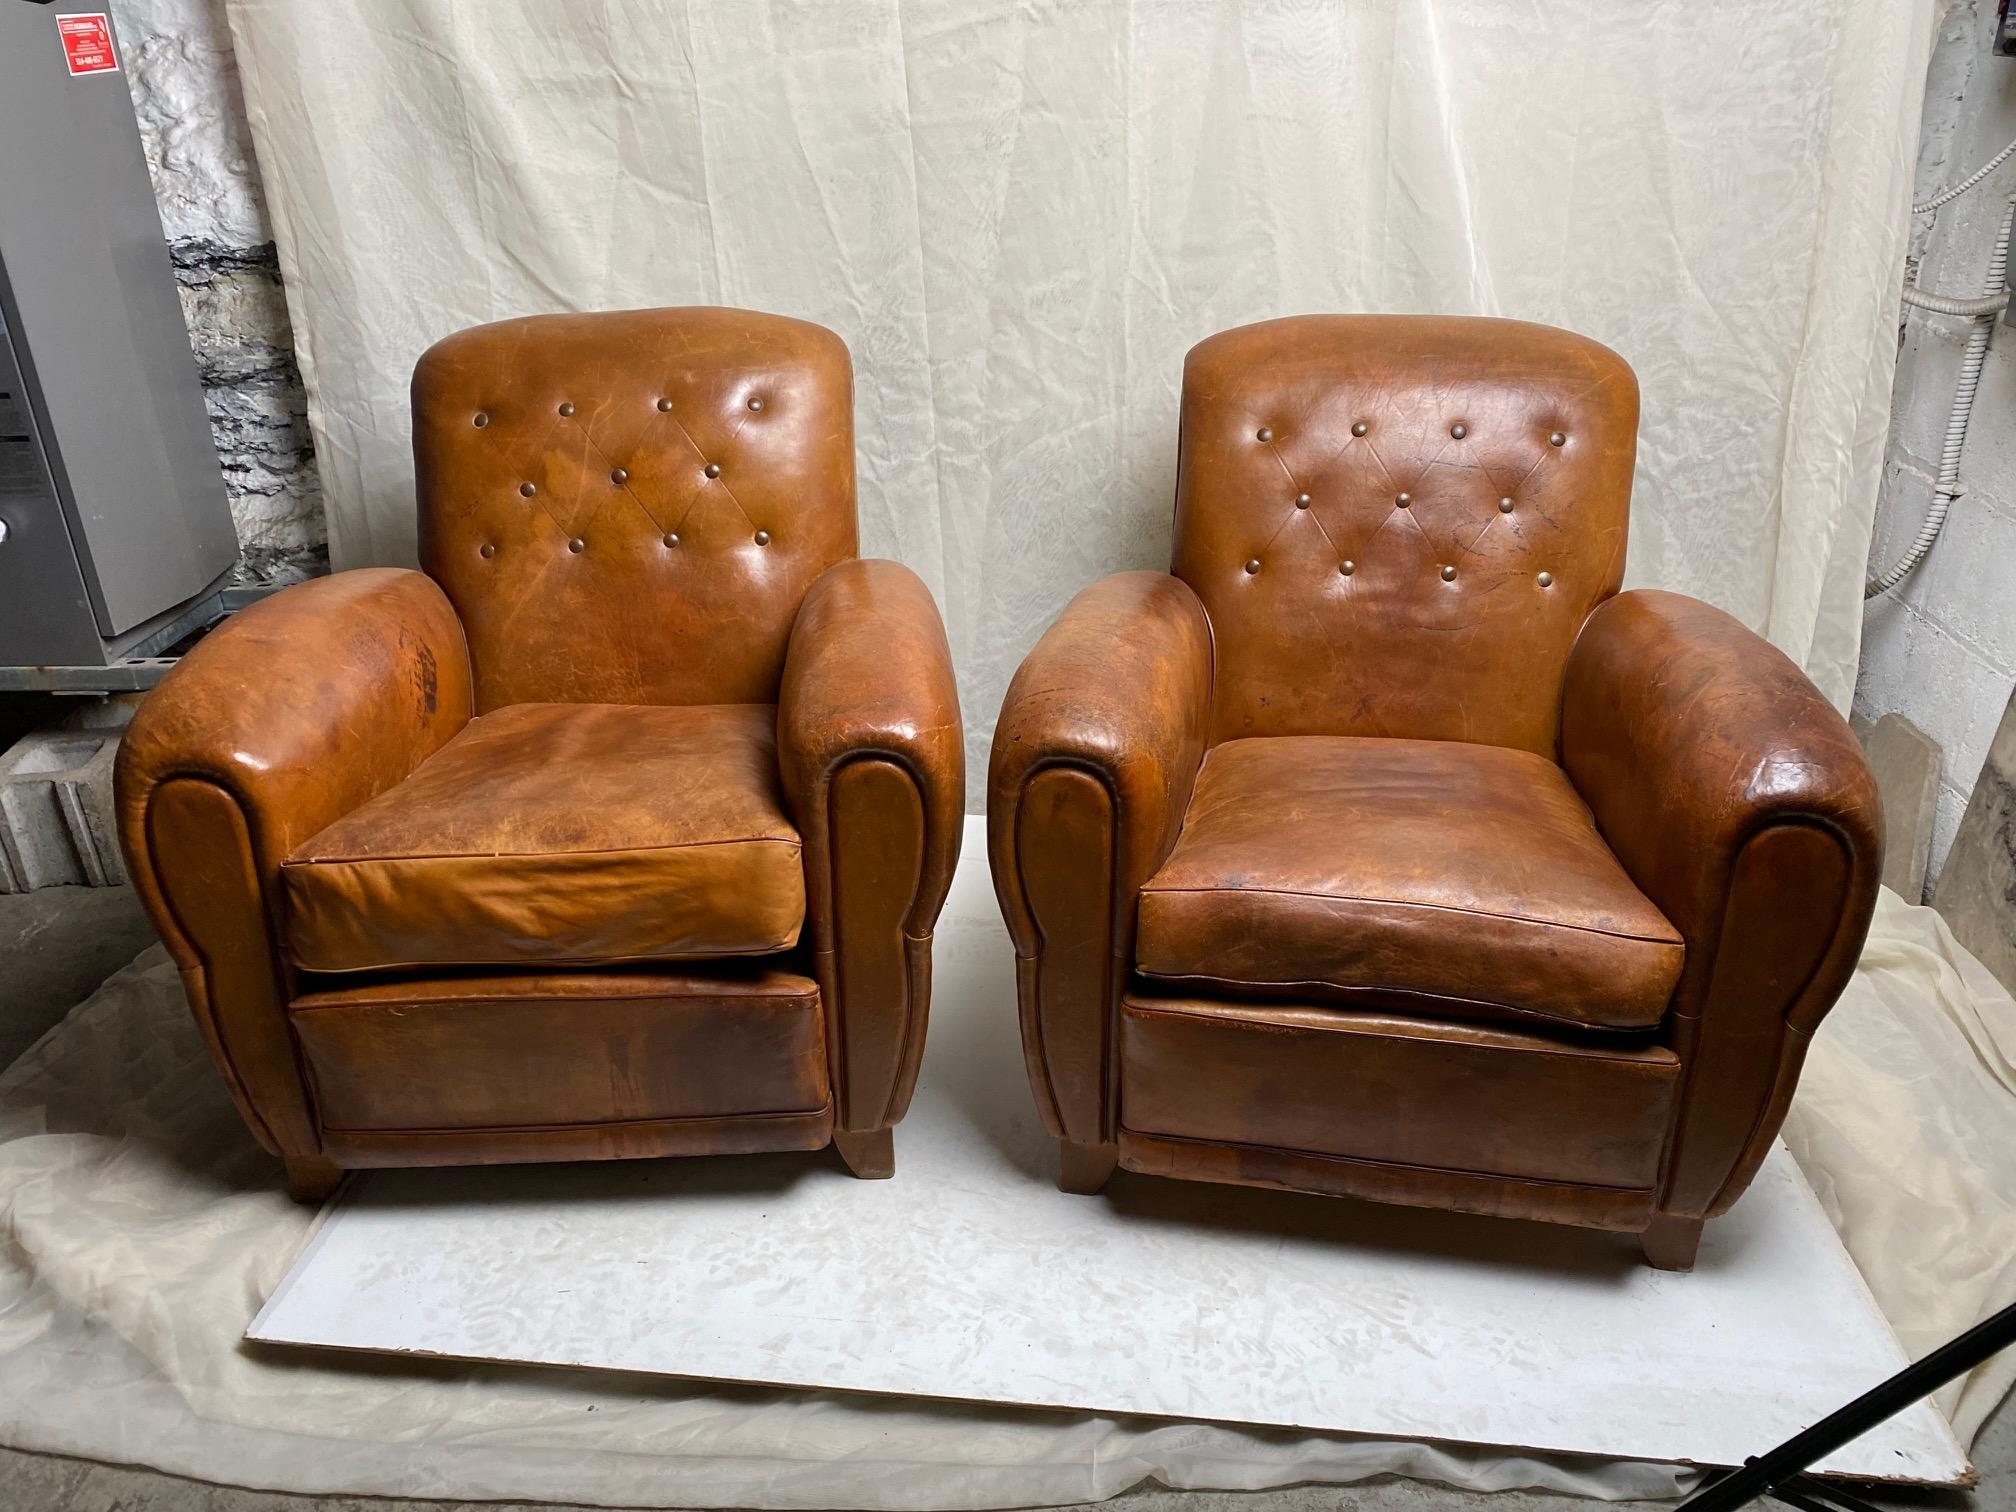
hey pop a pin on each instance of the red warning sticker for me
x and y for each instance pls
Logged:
(87, 44)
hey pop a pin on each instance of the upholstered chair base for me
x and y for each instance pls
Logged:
(1671, 1243)
(311, 1179)
(1085, 1168)
(869, 1154)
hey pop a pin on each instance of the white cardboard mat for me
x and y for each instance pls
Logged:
(969, 1276)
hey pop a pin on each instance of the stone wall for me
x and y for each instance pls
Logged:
(177, 56)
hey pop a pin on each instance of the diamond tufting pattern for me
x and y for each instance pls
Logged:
(1397, 524)
(628, 507)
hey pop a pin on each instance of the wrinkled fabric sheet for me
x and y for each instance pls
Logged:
(145, 1230)
(1905, 1125)
(1020, 216)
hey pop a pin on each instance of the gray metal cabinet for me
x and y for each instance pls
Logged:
(117, 530)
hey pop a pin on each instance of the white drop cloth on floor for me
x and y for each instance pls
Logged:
(144, 1230)
(1905, 1124)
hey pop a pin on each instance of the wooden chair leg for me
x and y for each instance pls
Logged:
(1670, 1243)
(871, 1155)
(1085, 1168)
(310, 1178)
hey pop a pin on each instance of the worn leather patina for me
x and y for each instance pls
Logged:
(1383, 847)
(622, 828)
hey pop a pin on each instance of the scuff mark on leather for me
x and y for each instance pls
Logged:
(427, 676)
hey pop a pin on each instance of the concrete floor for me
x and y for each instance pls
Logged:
(57, 945)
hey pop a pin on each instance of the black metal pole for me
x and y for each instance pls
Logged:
(1758, 1476)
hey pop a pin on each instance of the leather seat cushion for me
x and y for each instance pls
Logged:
(1462, 881)
(547, 834)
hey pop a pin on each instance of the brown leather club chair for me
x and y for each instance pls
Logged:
(1383, 848)
(619, 831)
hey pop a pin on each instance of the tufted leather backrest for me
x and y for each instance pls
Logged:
(628, 507)
(1397, 524)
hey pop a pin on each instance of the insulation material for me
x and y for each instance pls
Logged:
(145, 1229)
(1020, 216)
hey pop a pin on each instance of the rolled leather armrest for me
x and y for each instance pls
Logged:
(1740, 803)
(1095, 754)
(289, 715)
(873, 760)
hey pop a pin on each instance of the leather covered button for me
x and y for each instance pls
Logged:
(762, 538)
(1252, 566)
(756, 405)
(566, 410)
(528, 489)
(671, 539)
(577, 545)
(1404, 500)
(1459, 431)
(1347, 568)
(1264, 434)
(1448, 574)
(1360, 428)
(1301, 501)
(664, 405)
(1557, 439)
(620, 476)
(713, 469)
(1546, 580)
(486, 550)
(1504, 506)
(481, 420)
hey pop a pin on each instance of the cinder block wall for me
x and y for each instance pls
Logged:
(178, 64)
(1941, 649)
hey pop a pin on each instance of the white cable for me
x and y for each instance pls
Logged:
(1956, 304)
(1946, 195)
(1947, 485)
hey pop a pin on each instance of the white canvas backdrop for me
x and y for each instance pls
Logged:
(1020, 214)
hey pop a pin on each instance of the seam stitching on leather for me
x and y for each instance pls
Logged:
(505, 1000)
(591, 961)
(1392, 1165)
(236, 1077)
(1785, 1027)
(483, 1130)
(1109, 1094)
(795, 842)
(1670, 1160)
(1148, 888)
(904, 767)
(1538, 1014)
(1234, 1021)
